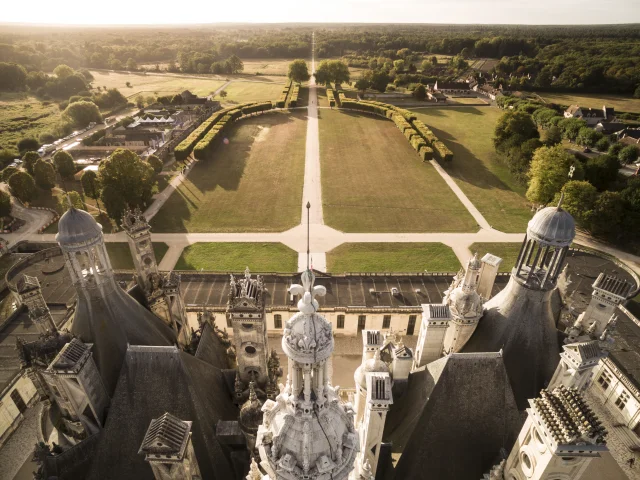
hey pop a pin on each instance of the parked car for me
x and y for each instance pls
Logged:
(586, 150)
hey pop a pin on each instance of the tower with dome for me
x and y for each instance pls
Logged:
(307, 432)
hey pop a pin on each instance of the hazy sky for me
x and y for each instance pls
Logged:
(269, 11)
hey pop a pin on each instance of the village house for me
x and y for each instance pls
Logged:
(592, 116)
(488, 91)
(452, 88)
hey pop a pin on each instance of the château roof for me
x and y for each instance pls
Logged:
(153, 381)
(77, 226)
(459, 407)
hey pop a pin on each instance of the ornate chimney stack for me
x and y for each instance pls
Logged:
(30, 294)
(168, 449)
(139, 237)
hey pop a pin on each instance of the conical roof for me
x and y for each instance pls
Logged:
(77, 226)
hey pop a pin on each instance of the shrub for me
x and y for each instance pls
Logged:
(426, 153)
(155, 163)
(293, 99)
(442, 152)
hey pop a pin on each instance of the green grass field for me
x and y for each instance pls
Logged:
(244, 91)
(508, 252)
(120, 254)
(267, 66)
(22, 115)
(234, 257)
(151, 84)
(392, 258)
(620, 103)
(253, 184)
(374, 181)
(468, 132)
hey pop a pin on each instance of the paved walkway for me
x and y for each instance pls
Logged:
(164, 195)
(482, 223)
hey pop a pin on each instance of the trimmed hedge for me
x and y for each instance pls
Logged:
(258, 107)
(330, 97)
(282, 100)
(293, 100)
(185, 147)
(419, 135)
(426, 153)
(442, 152)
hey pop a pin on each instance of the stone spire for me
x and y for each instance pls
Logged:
(307, 432)
(254, 471)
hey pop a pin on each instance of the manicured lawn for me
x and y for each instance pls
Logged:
(252, 184)
(508, 252)
(151, 84)
(245, 91)
(234, 257)
(120, 254)
(22, 115)
(374, 181)
(468, 132)
(620, 103)
(392, 258)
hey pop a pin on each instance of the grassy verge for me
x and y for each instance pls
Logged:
(120, 254)
(252, 184)
(245, 91)
(392, 257)
(508, 252)
(468, 132)
(231, 257)
(374, 181)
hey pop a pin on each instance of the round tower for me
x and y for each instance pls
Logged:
(465, 306)
(307, 432)
(521, 319)
(105, 315)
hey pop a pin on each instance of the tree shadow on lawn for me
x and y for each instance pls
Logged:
(473, 171)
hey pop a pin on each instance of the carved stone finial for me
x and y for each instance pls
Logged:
(254, 471)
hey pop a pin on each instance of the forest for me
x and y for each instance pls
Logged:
(547, 58)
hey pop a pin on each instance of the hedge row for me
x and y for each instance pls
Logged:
(440, 149)
(406, 114)
(201, 150)
(293, 100)
(283, 96)
(330, 97)
(185, 147)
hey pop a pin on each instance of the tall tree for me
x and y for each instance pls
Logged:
(629, 154)
(44, 175)
(126, 181)
(80, 114)
(549, 171)
(64, 164)
(514, 128)
(5, 204)
(579, 199)
(235, 64)
(91, 186)
(63, 71)
(28, 145)
(335, 71)
(298, 71)
(22, 186)
(29, 161)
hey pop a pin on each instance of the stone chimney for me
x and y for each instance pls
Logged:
(168, 449)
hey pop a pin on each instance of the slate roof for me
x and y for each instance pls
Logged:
(456, 415)
(625, 350)
(521, 322)
(113, 321)
(350, 290)
(211, 350)
(154, 381)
